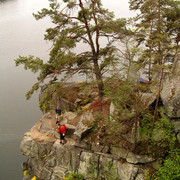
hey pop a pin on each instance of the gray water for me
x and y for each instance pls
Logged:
(20, 34)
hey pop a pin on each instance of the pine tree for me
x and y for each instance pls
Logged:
(158, 26)
(76, 22)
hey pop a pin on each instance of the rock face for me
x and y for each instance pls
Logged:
(170, 93)
(49, 160)
(84, 126)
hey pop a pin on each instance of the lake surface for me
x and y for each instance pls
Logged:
(20, 34)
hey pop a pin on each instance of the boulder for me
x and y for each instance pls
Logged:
(125, 171)
(138, 159)
(69, 121)
(84, 126)
(148, 98)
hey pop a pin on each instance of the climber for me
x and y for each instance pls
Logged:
(58, 113)
(62, 130)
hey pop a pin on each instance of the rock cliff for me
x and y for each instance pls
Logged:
(49, 160)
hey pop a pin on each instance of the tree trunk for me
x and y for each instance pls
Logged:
(99, 80)
(159, 31)
(157, 99)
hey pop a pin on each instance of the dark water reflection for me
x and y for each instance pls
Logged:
(20, 34)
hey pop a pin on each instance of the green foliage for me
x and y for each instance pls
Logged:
(145, 127)
(124, 95)
(46, 102)
(170, 168)
(34, 64)
(48, 93)
(157, 29)
(166, 130)
(74, 23)
(73, 176)
(94, 125)
(35, 87)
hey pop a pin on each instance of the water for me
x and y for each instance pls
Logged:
(20, 34)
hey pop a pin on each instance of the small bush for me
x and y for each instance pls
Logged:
(73, 176)
(170, 168)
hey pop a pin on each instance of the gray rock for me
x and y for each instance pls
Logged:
(78, 100)
(140, 177)
(36, 166)
(58, 173)
(83, 144)
(84, 125)
(126, 171)
(46, 174)
(84, 163)
(111, 111)
(46, 126)
(85, 92)
(170, 93)
(119, 152)
(68, 118)
(75, 158)
(156, 164)
(88, 165)
(29, 147)
(136, 159)
(148, 98)
(106, 168)
(96, 148)
(176, 125)
(63, 156)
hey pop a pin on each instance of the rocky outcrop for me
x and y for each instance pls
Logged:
(84, 126)
(49, 160)
(171, 91)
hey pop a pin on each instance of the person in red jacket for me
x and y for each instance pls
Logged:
(62, 131)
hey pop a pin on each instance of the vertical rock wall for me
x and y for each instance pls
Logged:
(51, 160)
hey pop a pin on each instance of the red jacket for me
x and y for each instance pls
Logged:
(62, 129)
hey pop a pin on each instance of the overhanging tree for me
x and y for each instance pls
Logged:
(76, 22)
